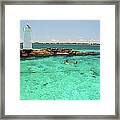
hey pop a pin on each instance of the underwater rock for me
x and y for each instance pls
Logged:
(45, 84)
(94, 76)
(81, 73)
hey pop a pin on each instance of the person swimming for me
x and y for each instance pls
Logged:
(75, 62)
(66, 61)
(70, 62)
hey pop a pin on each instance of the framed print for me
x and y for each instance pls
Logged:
(60, 60)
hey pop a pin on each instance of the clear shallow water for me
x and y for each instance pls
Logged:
(48, 78)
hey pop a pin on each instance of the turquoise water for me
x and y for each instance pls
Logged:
(72, 46)
(49, 78)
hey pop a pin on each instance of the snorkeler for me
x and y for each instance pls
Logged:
(72, 62)
(66, 61)
(75, 62)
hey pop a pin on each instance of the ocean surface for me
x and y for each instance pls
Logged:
(72, 46)
(49, 78)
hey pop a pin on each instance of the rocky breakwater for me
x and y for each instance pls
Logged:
(53, 51)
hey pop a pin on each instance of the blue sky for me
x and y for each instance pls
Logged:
(62, 30)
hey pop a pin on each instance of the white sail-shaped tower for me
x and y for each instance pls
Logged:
(27, 44)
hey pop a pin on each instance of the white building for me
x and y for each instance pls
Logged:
(27, 44)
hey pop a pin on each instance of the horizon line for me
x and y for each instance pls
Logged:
(66, 42)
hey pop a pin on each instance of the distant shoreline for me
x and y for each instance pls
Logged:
(66, 43)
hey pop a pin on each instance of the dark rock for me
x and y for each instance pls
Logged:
(45, 84)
